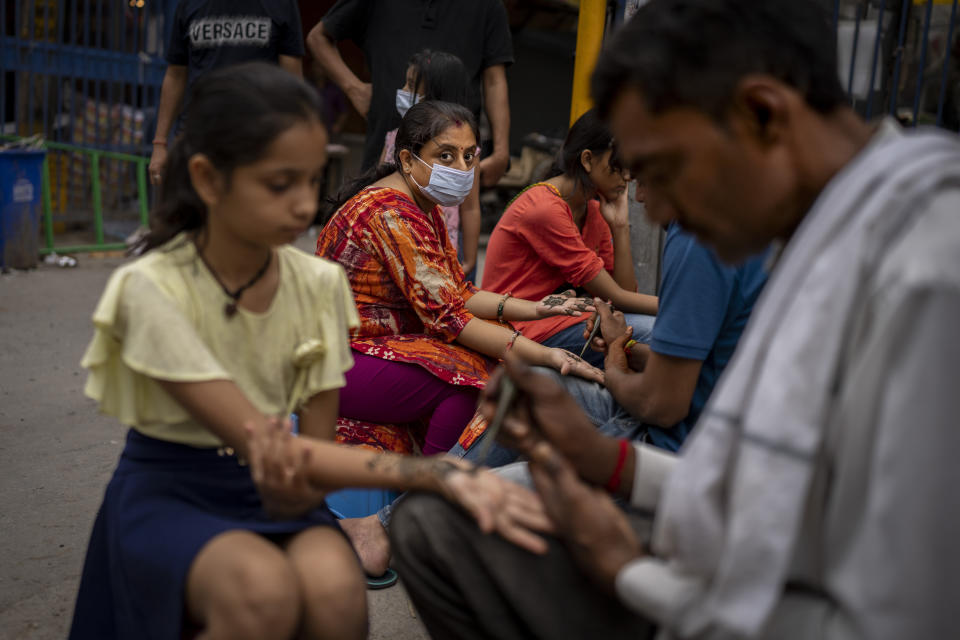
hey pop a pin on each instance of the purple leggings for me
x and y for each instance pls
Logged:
(387, 391)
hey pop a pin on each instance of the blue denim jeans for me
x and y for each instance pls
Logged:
(572, 340)
(603, 411)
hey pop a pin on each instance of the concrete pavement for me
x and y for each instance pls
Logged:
(57, 453)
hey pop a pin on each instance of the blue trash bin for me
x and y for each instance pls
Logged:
(20, 195)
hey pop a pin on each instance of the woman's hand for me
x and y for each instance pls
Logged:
(570, 364)
(563, 304)
(616, 212)
(498, 505)
(278, 465)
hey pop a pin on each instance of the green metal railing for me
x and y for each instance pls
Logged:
(95, 156)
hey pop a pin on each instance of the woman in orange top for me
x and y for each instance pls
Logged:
(423, 349)
(571, 231)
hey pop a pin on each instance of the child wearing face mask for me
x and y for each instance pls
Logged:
(437, 75)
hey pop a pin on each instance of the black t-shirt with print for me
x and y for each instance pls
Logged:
(390, 31)
(210, 34)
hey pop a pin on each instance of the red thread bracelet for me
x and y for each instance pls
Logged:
(613, 484)
(516, 333)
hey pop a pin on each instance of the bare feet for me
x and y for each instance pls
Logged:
(370, 540)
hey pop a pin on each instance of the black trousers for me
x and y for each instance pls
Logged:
(467, 584)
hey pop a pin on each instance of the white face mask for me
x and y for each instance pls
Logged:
(405, 100)
(448, 187)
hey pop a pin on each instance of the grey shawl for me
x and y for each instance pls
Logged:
(731, 510)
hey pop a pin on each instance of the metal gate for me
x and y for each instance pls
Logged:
(85, 76)
(901, 57)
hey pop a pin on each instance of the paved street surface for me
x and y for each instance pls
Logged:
(57, 453)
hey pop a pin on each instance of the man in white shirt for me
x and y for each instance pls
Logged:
(815, 498)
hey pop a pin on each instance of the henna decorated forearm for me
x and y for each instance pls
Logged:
(416, 472)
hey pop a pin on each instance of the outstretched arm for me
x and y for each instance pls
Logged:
(305, 466)
(490, 305)
(294, 473)
(493, 340)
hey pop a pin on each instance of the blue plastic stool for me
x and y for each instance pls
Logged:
(358, 503)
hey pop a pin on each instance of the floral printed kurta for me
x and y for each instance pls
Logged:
(407, 283)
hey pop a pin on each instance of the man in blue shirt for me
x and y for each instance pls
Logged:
(655, 392)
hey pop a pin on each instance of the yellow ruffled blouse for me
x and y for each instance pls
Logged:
(161, 317)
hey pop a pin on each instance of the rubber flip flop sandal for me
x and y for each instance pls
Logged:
(388, 579)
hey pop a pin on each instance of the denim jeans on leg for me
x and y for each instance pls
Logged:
(572, 340)
(603, 411)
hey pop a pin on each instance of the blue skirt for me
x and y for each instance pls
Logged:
(163, 504)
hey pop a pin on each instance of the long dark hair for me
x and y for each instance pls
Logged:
(442, 76)
(233, 116)
(422, 123)
(588, 133)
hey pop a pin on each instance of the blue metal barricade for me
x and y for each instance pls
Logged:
(901, 57)
(85, 75)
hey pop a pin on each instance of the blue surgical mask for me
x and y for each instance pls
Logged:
(448, 187)
(405, 100)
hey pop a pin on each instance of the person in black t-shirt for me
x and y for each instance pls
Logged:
(390, 31)
(210, 34)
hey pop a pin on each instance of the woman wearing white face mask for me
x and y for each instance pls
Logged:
(423, 349)
(437, 75)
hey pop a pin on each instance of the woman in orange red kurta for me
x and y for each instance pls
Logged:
(422, 350)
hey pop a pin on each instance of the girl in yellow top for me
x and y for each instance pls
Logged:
(214, 520)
